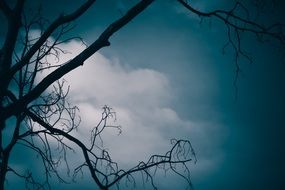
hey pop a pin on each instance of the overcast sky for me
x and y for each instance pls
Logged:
(166, 77)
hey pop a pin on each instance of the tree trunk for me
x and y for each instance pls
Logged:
(3, 170)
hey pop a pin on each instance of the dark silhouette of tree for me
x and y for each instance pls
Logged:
(42, 115)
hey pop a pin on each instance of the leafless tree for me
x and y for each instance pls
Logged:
(42, 115)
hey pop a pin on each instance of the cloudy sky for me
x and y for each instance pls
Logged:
(166, 77)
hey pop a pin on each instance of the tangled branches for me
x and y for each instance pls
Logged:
(237, 20)
(107, 173)
(33, 94)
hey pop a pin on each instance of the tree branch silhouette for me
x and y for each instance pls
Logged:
(41, 111)
(236, 25)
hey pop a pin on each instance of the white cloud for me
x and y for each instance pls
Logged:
(142, 100)
(138, 96)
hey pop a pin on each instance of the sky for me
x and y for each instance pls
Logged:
(166, 77)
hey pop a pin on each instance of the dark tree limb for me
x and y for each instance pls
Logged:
(5, 8)
(84, 149)
(42, 115)
(14, 24)
(101, 42)
(180, 154)
(235, 25)
(239, 23)
(58, 22)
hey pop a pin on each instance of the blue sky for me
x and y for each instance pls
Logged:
(166, 77)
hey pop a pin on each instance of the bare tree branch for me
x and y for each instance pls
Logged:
(5, 8)
(58, 22)
(180, 153)
(14, 24)
(43, 114)
(235, 25)
(101, 42)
